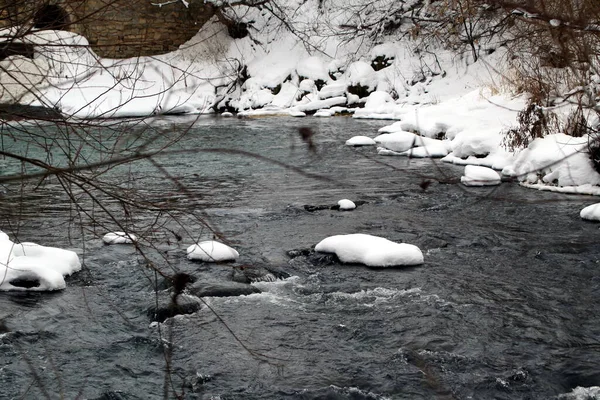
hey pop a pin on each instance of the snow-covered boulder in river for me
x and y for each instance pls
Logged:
(119, 238)
(370, 250)
(476, 175)
(360, 141)
(211, 251)
(346, 205)
(591, 213)
(29, 266)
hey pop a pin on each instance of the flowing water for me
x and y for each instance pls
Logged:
(505, 306)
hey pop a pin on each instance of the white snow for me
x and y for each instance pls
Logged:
(211, 251)
(480, 176)
(370, 250)
(119, 238)
(44, 266)
(558, 159)
(582, 393)
(591, 213)
(346, 205)
(360, 141)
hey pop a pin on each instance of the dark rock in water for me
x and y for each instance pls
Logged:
(25, 283)
(253, 273)
(195, 383)
(298, 252)
(331, 207)
(222, 289)
(17, 112)
(167, 308)
(316, 208)
(178, 282)
(314, 257)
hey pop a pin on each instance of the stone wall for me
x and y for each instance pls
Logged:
(118, 28)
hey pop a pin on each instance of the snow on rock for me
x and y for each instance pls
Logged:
(591, 213)
(346, 205)
(480, 176)
(119, 238)
(333, 89)
(29, 266)
(429, 151)
(64, 261)
(398, 141)
(312, 68)
(361, 73)
(211, 251)
(318, 104)
(558, 158)
(324, 113)
(379, 105)
(360, 141)
(297, 113)
(370, 250)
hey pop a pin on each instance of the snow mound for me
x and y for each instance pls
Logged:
(119, 238)
(480, 176)
(370, 250)
(555, 159)
(346, 205)
(591, 213)
(211, 251)
(29, 266)
(360, 141)
(397, 141)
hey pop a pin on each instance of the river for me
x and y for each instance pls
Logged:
(505, 306)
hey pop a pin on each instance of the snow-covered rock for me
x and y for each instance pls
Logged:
(211, 251)
(397, 141)
(29, 266)
(480, 176)
(119, 238)
(370, 250)
(64, 261)
(360, 141)
(557, 158)
(591, 213)
(346, 205)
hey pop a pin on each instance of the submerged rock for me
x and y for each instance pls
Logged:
(228, 289)
(313, 257)
(167, 308)
(252, 273)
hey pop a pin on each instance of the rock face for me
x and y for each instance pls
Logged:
(117, 29)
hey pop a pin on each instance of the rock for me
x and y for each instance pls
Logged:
(251, 274)
(313, 257)
(17, 112)
(168, 309)
(311, 208)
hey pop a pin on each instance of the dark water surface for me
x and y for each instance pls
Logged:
(505, 306)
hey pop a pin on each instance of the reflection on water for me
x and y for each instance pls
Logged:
(504, 307)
